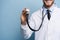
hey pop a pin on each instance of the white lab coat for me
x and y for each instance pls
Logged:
(50, 29)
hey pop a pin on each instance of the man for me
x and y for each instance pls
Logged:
(50, 29)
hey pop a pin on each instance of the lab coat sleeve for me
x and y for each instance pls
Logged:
(25, 29)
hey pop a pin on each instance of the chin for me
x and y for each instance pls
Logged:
(48, 5)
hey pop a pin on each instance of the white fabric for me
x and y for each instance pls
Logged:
(50, 29)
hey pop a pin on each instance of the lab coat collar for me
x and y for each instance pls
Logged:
(51, 8)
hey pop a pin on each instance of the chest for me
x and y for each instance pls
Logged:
(54, 23)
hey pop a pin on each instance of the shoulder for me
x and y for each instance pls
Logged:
(57, 9)
(37, 13)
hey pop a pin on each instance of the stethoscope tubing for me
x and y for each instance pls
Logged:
(43, 16)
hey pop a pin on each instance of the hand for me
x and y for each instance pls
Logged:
(23, 17)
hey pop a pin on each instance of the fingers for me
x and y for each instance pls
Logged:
(24, 11)
(23, 17)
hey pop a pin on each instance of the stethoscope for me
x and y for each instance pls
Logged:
(43, 16)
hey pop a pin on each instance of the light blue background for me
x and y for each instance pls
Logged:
(10, 11)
